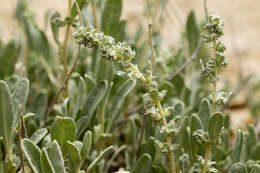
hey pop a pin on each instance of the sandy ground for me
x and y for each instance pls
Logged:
(241, 17)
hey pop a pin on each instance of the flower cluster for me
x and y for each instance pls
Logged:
(122, 53)
(211, 32)
(198, 166)
(222, 98)
(90, 37)
(213, 29)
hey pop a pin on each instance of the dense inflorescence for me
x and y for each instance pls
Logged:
(122, 53)
(212, 31)
(91, 38)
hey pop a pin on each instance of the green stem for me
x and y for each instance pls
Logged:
(94, 13)
(214, 98)
(168, 138)
(205, 166)
(65, 63)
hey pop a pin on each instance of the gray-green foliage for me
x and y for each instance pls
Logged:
(119, 113)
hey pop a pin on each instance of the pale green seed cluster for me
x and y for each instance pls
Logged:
(122, 53)
(110, 49)
(212, 31)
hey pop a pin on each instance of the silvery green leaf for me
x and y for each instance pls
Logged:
(178, 108)
(87, 141)
(39, 135)
(55, 156)
(192, 31)
(154, 94)
(111, 16)
(183, 136)
(94, 98)
(195, 123)
(117, 152)
(8, 57)
(63, 129)
(215, 126)
(33, 155)
(46, 163)
(20, 95)
(103, 154)
(40, 104)
(252, 138)
(6, 115)
(76, 86)
(28, 116)
(78, 144)
(255, 153)
(143, 164)
(74, 156)
(205, 112)
(184, 163)
(238, 168)
(90, 82)
(236, 155)
(55, 24)
(118, 101)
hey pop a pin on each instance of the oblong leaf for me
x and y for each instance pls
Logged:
(39, 135)
(33, 155)
(87, 141)
(63, 129)
(74, 156)
(195, 123)
(236, 155)
(255, 153)
(91, 104)
(9, 57)
(99, 158)
(216, 123)
(193, 33)
(205, 112)
(143, 164)
(118, 101)
(46, 163)
(55, 157)
(238, 168)
(20, 94)
(111, 16)
(6, 113)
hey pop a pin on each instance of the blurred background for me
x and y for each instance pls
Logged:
(242, 32)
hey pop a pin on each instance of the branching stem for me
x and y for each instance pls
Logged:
(168, 138)
(64, 83)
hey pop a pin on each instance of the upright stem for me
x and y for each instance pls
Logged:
(214, 98)
(205, 8)
(19, 134)
(94, 12)
(168, 138)
(65, 63)
(205, 166)
(64, 84)
(151, 45)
